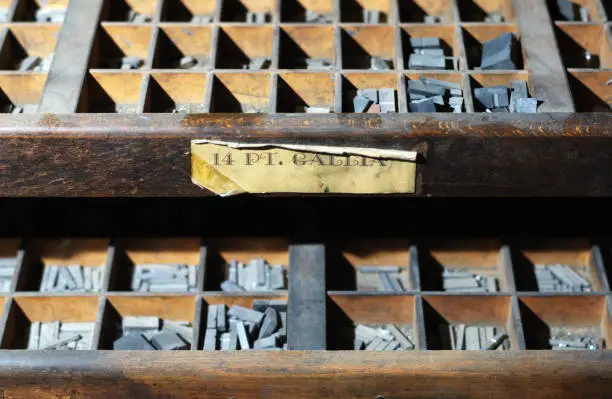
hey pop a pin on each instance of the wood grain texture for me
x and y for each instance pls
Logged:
(568, 310)
(376, 309)
(307, 374)
(548, 77)
(66, 251)
(69, 68)
(462, 155)
(51, 308)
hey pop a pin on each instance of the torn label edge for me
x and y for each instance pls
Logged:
(402, 155)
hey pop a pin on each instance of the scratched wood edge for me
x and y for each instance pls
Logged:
(301, 374)
(544, 155)
(547, 73)
(279, 126)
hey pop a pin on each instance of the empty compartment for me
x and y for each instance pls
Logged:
(366, 11)
(112, 92)
(584, 46)
(250, 11)
(307, 48)
(565, 322)
(474, 36)
(369, 265)
(39, 10)
(492, 79)
(463, 266)
(592, 90)
(8, 264)
(156, 265)
(574, 13)
(264, 330)
(427, 11)
(230, 260)
(305, 92)
(20, 93)
(491, 11)
(61, 322)
(29, 48)
(352, 82)
(182, 47)
(64, 265)
(176, 93)
(446, 80)
(447, 318)
(141, 318)
(244, 47)
(448, 45)
(556, 266)
(123, 46)
(354, 318)
(309, 11)
(368, 47)
(241, 92)
(196, 11)
(135, 11)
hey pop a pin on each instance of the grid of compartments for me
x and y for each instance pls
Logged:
(30, 31)
(313, 56)
(584, 37)
(27, 301)
(517, 306)
(421, 305)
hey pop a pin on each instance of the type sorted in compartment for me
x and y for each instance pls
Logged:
(257, 275)
(471, 337)
(241, 328)
(389, 337)
(433, 95)
(365, 99)
(427, 53)
(191, 62)
(500, 53)
(138, 18)
(572, 12)
(7, 271)
(153, 333)
(71, 278)
(317, 18)
(587, 338)
(164, 278)
(501, 99)
(51, 14)
(494, 17)
(463, 280)
(57, 335)
(561, 278)
(381, 278)
(371, 16)
(36, 64)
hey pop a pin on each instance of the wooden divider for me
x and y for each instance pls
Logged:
(324, 305)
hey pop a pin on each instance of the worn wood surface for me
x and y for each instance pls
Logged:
(306, 312)
(307, 374)
(66, 78)
(462, 155)
(545, 67)
(146, 155)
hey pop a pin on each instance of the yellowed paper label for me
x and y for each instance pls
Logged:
(228, 168)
